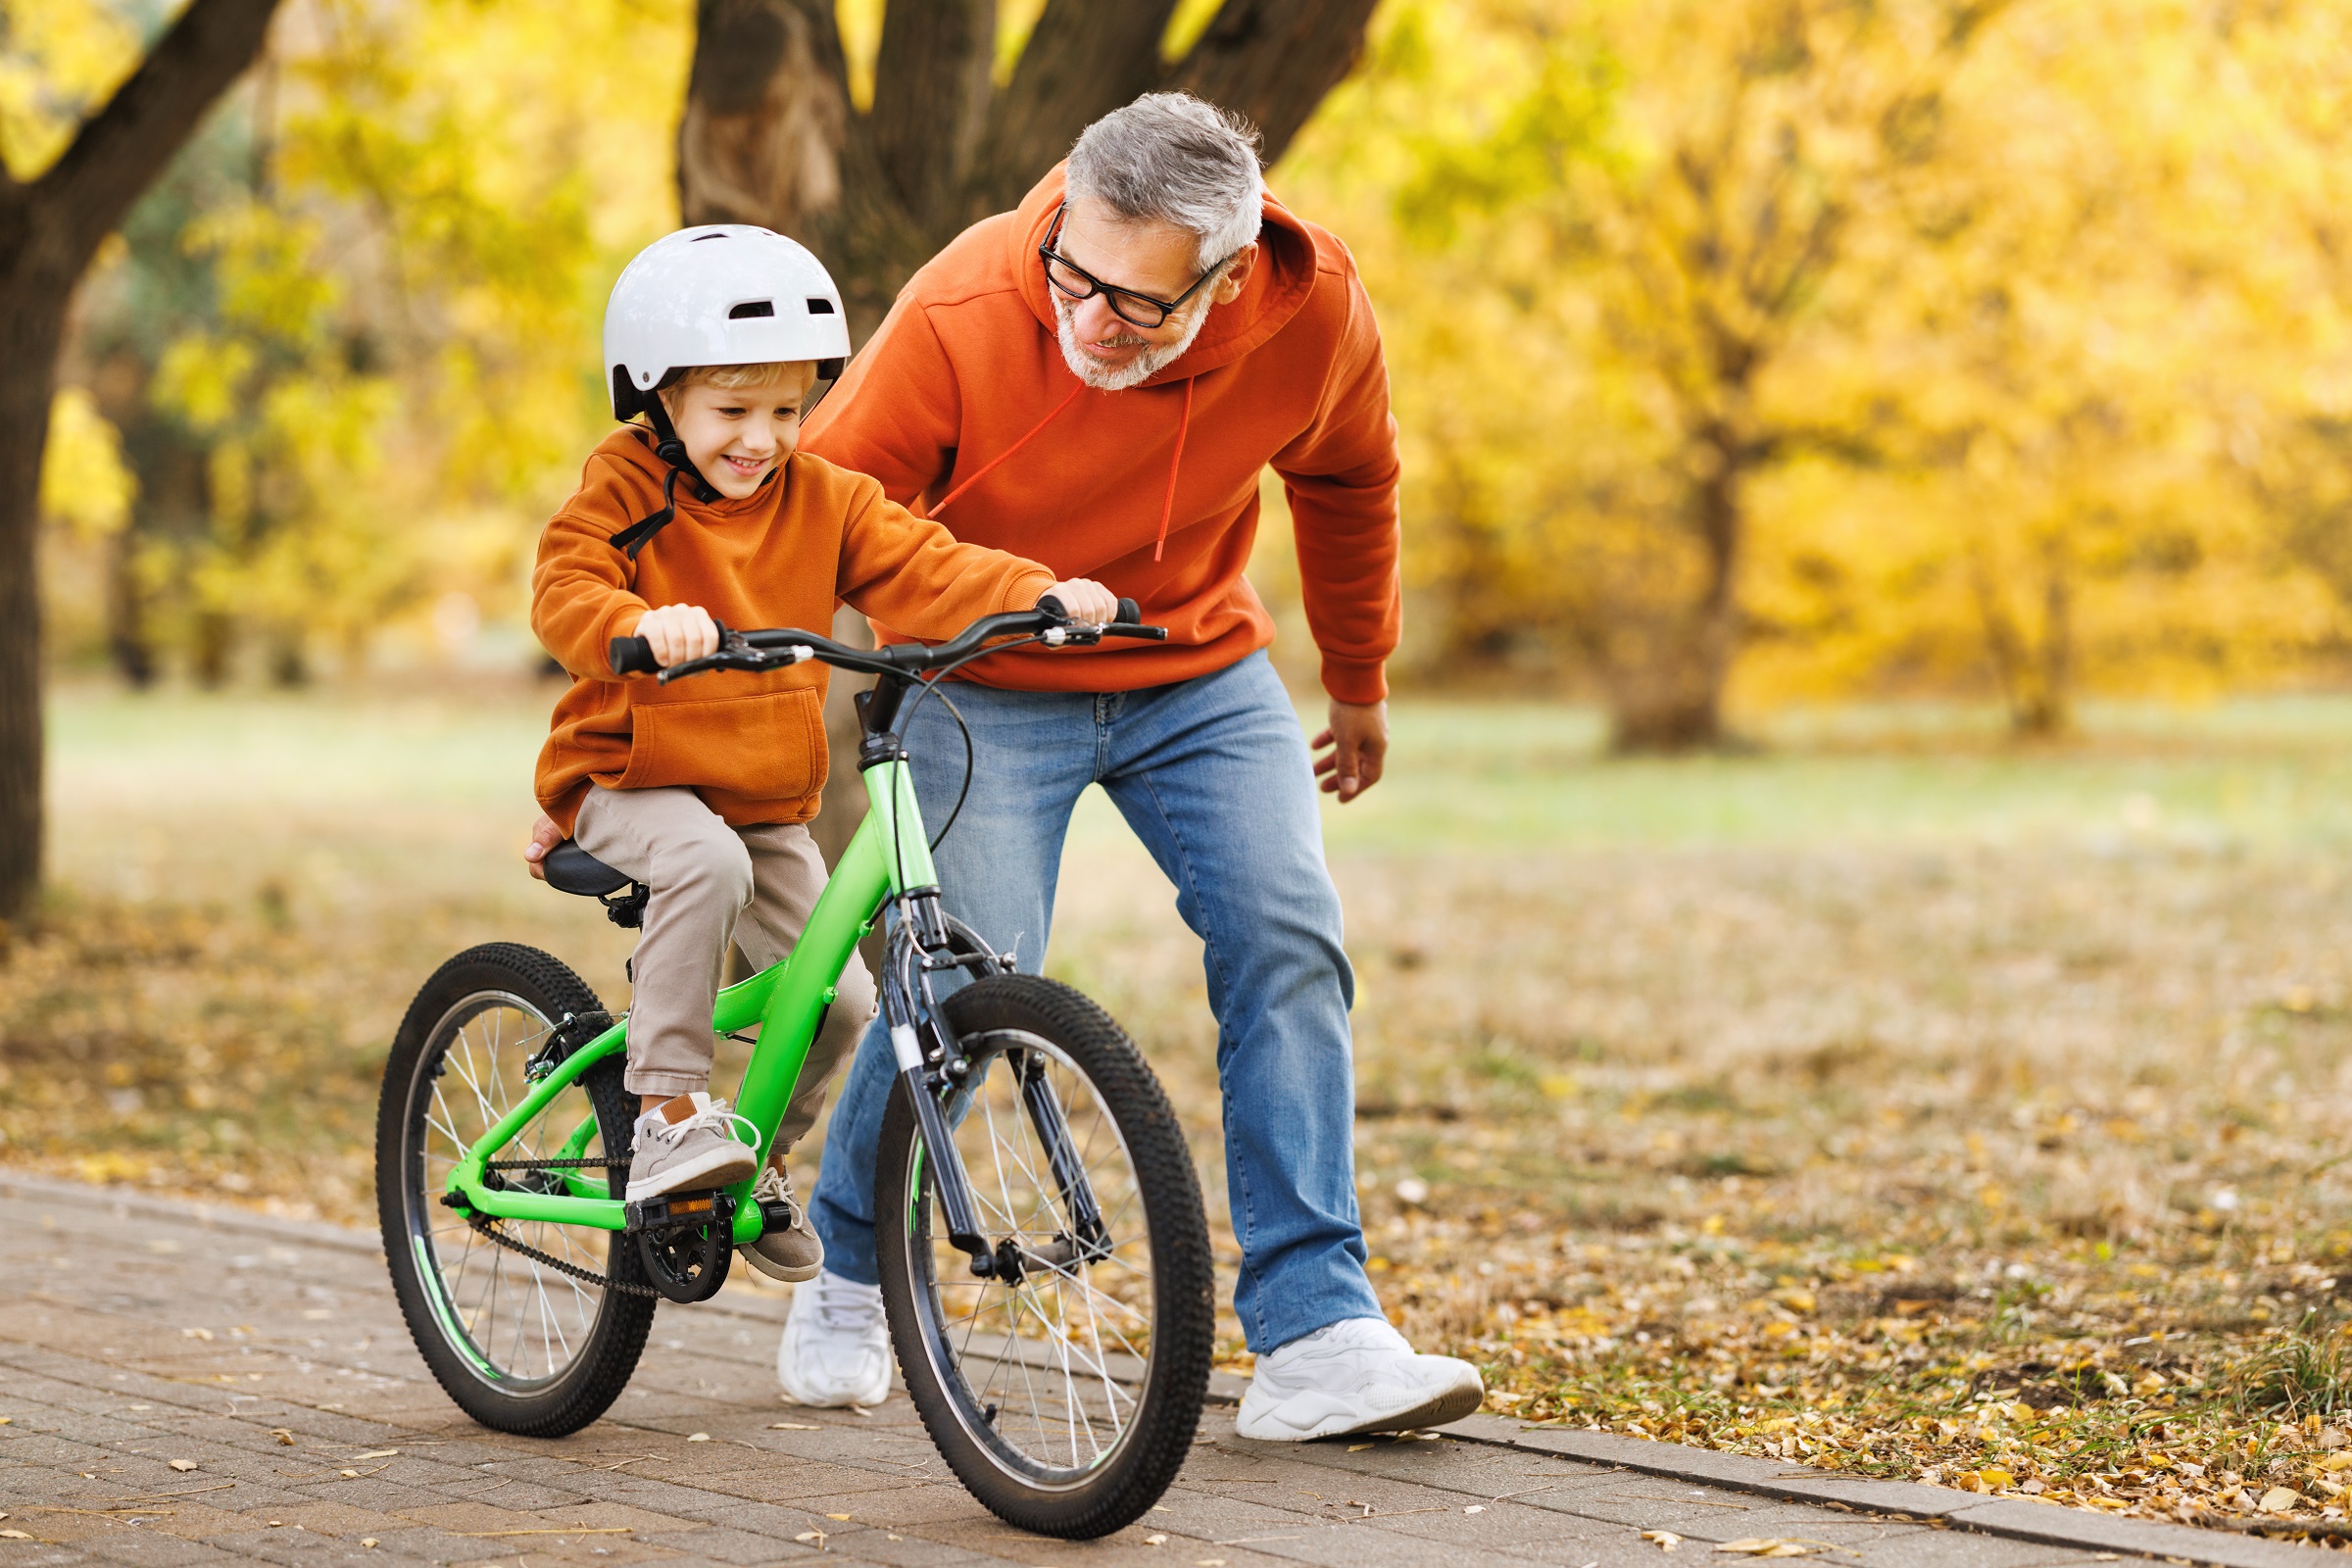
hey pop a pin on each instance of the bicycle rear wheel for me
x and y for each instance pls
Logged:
(1065, 1397)
(522, 1345)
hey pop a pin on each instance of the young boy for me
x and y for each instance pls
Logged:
(701, 790)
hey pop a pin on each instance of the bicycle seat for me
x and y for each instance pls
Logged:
(572, 869)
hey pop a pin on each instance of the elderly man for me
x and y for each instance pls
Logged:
(1096, 380)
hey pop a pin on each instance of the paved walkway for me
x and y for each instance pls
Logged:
(191, 1387)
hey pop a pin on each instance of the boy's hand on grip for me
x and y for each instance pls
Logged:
(1083, 601)
(678, 632)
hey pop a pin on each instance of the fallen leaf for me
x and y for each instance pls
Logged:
(277, 1524)
(794, 1426)
(1357, 1448)
(1208, 1562)
(1155, 1541)
(378, 1454)
(196, 1334)
(349, 1475)
(698, 1437)
(1763, 1547)
(2279, 1499)
(1666, 1540)
(1995, 1478)
(284, 1435)
(841, 1516)
(817, 1535)
(182, 1464)
(1476, 1507)
(14, 1535)
(367, 1541)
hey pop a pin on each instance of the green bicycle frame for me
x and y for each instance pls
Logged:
(889, 855)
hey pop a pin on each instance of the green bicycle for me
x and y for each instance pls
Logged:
(1046, 1268)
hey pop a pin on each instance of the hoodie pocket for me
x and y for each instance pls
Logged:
(767, 746)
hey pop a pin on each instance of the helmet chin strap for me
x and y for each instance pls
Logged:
(673, 451)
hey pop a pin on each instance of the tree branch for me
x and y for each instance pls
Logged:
(1273, 61)
(121, 148)
(1084, 60)
(931, 99)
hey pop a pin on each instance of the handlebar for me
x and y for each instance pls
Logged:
(777, 649)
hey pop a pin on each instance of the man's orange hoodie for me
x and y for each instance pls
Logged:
(752, 746)
(961, 406)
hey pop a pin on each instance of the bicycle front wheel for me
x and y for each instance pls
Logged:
(535, 1346)
(1063, 1391)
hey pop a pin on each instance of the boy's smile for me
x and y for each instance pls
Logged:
(736, 436)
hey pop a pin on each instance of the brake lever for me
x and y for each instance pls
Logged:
(736, 654)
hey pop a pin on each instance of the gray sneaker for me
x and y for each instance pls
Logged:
(712, 1148)
(791, 1254)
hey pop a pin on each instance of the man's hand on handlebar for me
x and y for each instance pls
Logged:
(678, 633)
(545, 836)
(1358, 738)
(1083, 601)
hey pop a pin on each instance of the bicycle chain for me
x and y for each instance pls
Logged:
(589, 1163)
(488, 1228)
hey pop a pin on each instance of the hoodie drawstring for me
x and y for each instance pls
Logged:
(1167, 508)
(986, 468)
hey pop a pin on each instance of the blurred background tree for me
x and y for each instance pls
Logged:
(75, 150)
(1742, 352)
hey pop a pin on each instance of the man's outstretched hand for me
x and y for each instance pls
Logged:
(545, 836)
(1358, 742)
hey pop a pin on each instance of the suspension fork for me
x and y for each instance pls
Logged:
(932, 1065)
(1069, 1171)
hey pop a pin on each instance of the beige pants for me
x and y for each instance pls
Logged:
(711, 885)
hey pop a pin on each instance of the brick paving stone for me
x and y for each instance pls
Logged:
(135, 1331)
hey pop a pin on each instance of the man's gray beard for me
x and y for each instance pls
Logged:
(1137, 370)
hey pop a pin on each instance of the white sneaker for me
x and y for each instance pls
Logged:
(1356, 1375)
(836, 1347)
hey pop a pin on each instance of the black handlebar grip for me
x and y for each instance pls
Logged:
(633, 656)
(1052, 606)
(1128, 612)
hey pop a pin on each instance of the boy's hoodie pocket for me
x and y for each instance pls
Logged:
(767, 746)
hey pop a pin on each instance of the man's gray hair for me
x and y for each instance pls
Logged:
(1171, 158)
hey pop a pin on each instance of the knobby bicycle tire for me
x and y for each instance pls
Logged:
(1034, 1019)
(533, 985)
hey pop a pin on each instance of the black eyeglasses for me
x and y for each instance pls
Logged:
(1136, 309)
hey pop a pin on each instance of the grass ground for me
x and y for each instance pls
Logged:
(1889, 1099)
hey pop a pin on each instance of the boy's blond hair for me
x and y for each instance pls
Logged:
(732, 377)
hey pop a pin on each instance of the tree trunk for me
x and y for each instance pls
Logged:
(769, 136)
(49, 229)
(130, 642)
(33, 320)
(1666, 692)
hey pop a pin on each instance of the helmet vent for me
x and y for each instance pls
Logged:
(820, 307)
(699, 238)
(752, 307)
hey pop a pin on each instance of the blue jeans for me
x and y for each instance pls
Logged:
(1213, 776)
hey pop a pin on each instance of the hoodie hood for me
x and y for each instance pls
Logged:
(963, 406)
(1277, 287)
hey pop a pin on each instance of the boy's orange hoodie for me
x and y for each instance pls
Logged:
(752, 746)
(961, 406)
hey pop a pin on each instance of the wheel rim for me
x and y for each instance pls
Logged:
(518, 1325)
(1063, 1357)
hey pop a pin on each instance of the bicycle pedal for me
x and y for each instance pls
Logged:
(679, 1210)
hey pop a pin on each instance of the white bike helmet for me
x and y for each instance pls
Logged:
(721, 294)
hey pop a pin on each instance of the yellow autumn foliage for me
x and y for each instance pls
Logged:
(1743, 351)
